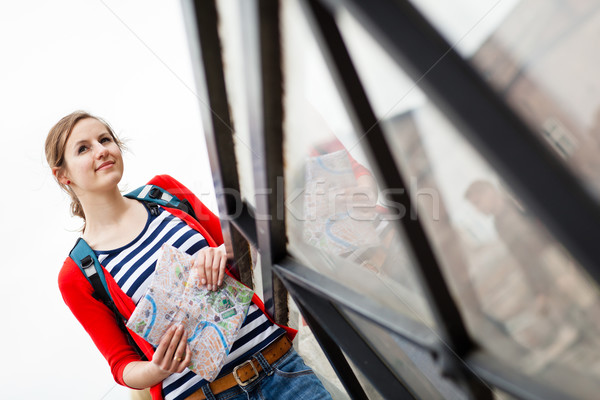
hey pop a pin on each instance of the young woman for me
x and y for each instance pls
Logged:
(86, 160)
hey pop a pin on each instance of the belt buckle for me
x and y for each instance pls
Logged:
(249, 381)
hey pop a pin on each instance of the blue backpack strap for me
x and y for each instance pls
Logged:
(158, 195)
(88, 263)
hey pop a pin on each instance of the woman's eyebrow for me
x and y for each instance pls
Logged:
(79, 142)
(84, 141)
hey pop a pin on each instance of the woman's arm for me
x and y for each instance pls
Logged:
(98, 321)
(171, 356)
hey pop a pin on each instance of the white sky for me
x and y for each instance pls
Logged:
(58, 57)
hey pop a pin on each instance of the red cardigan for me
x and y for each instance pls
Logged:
(100, 322)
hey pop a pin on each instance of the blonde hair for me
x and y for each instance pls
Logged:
(56, 142)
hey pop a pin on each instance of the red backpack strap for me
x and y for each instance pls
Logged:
(207, 219)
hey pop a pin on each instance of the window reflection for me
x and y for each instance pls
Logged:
(541, 57)
(338, 221)
(545, 317)
(342, 216)
(524, 298)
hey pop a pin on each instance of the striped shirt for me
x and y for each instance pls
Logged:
(132, 267)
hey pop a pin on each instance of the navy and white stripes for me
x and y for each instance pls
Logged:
(132, 267)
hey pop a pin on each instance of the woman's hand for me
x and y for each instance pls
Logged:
(210, 266)
(172, 354)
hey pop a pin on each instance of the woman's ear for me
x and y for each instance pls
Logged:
(60, 175)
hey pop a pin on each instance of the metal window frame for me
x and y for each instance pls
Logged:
(205, 50)
(493, 128)
(268, 166)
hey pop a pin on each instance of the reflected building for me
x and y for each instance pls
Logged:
(542, 60)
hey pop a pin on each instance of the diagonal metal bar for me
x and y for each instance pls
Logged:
(407, 328)
(335, 356)
(545, 185)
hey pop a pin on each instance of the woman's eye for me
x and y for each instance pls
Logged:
(81, 149)
(105, 139)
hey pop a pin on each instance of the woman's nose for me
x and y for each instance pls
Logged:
(100, 150)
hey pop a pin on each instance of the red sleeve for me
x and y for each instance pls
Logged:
(207, 218)
(358, 169)
(96, 319)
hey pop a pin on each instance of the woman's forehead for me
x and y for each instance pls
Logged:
(87, 128)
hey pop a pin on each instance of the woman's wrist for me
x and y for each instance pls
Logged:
(143, 374)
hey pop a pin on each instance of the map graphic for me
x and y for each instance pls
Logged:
(210, 319)
(329, 226)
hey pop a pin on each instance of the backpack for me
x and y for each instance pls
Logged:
(85, 258)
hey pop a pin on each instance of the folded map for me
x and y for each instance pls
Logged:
(211, 319)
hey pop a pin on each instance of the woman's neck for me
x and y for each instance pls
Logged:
(104, 211)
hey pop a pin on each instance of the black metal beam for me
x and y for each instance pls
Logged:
(201, 21)
(270, 143)
(335, 356)
(245, 222)
(543, 183)
(343, 334)
(268, 162)
(449, 322)
(409, 329)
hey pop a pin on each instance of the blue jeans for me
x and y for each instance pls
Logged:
(286, 378)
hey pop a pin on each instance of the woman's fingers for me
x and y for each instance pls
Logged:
(199, 265)
(208, 260)
(215, 269)
(160, 357)
(180, 352)
(170, 352)
(222, 266)
(171, 355)
(210, 264)
(186, 361)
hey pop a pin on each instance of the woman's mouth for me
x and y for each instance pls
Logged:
(105, 165)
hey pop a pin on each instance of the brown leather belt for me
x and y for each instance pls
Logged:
(248, 371)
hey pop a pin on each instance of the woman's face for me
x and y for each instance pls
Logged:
(93, 161)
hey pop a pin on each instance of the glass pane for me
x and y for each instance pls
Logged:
(335, 222)
(523, 296)
(240, 52)
(414, 365)
(541, 57)
(500, 395)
